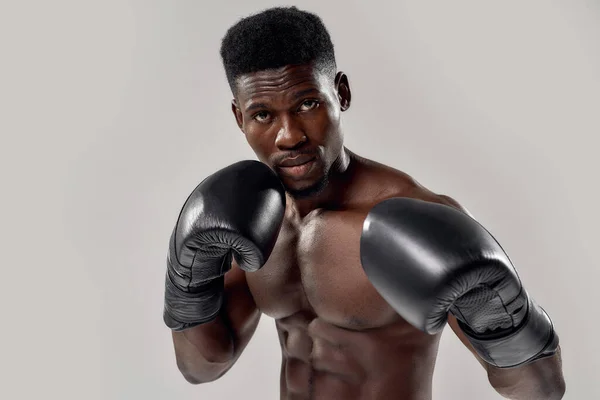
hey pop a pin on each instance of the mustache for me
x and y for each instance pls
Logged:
(276, 160)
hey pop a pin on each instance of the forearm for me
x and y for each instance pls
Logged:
(204, 353)
(542, 379)
(207, 351)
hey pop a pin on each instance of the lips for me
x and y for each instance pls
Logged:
(297, 167)
(298, 160)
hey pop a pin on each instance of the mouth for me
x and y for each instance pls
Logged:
(297, 167)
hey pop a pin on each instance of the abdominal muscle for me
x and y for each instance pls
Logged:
(339, 338)
(323, 361)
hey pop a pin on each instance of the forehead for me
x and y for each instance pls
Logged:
(283, 82)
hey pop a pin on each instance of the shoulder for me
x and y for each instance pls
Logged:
(386, 182)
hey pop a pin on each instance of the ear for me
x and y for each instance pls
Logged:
(237, 113)
(343, 90)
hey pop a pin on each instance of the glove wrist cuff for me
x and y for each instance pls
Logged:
(534, 339)
(184, 310)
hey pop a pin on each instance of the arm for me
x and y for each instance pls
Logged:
(542, 379)
(227, 227)
(206, 352)
(434, 265)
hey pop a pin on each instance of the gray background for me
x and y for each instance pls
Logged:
(112, 111)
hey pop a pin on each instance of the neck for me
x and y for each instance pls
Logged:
(333, 194)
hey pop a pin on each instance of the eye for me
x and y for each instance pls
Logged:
(261, 116)
(309, 105)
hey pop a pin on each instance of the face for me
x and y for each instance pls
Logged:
(291, 119)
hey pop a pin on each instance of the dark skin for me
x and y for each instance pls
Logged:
(339, 338)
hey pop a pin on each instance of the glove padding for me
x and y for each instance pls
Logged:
(236, 212)
(428, 259)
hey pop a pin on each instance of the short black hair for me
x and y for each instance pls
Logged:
(274, 38)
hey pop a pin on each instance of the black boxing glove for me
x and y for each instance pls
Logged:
(236, 212)
(428, 259)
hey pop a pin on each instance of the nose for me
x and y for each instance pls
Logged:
(290, 135)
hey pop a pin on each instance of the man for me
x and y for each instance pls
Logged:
(360, 266)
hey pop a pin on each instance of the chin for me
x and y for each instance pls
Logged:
(307, 190)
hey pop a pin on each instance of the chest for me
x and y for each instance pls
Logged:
(315, 267)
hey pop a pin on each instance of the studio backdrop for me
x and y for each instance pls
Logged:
(114, 110)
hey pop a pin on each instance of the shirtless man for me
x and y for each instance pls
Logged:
(360, 266)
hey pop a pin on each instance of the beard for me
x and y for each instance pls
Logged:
(309, 191)
(313, 189)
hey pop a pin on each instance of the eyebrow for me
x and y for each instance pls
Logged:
(255, 106)
(296, 96)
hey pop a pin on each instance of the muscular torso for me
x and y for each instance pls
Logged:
(339, 338)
